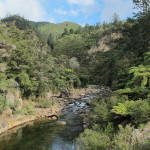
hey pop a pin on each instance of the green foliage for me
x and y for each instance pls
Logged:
(3, 104)
(122, 138)
(3, 85)
(121, 109)
(26, 110)
(56, 29)
(110, 54)
(143, 5)
(31, 64)
(139, 111)
(138, 86)
(64, 79)
(93, 140)
(100, 112)
(141, 75)
(19, 21)
(71, 45)
(25, 83)
(45, 103)
(6, 84)
(141, 146)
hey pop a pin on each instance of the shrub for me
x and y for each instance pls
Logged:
(2, 104)
(122, 138)
(44, 103)
(142, 146)
(100, 112)
(26, 110)
(139, 111)
(93, 140)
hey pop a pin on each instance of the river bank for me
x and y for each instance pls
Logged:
(9, 120)
(45, 134)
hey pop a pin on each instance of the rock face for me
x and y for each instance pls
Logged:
(13, 99)
(64, 94)
(14, 121)
(10, 98)
(104, 43)
(140, 135)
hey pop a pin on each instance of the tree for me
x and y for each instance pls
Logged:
(71, 31)
(65, 32)
(143, 5)
(51, 41)
(71, 45)
(115, 19)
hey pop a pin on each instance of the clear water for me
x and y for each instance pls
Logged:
(45, 134)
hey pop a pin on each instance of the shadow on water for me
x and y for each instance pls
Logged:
(45, 134)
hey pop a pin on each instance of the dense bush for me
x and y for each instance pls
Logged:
(45, 103)
(2, 104)
(27, 109)
(93, 140)
(138, 111)
(99, 113)
(97, 139)
(122, 138)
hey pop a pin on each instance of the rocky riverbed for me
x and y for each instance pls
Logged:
(56, 135)
(60, 134)
(9, 120)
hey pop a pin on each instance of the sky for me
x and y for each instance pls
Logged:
(57, 11)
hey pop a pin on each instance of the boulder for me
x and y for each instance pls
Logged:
(140, 135)
(64, 94)
(53, 117)
(136, 136)
(62, 123)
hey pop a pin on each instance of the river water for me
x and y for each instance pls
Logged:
(45, 134)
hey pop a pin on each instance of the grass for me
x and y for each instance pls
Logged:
(44, 103)
(57, 29)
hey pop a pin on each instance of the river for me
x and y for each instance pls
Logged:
(48, 135)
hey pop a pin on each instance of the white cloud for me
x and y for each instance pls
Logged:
(122, 7)
(87, 7)
(82, 2)
(61, 12)
(90, 9)
(30, 9)
(74, 12)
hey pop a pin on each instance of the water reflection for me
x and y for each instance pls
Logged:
(43, 135)
(46, 134)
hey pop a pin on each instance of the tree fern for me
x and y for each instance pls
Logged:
(120, 109)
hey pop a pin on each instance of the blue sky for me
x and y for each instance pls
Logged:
(56, 11)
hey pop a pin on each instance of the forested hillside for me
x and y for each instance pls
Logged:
(26, 63)
(45, 30)
(36, 59)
